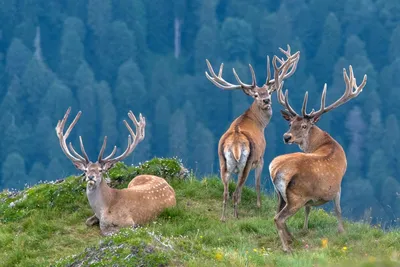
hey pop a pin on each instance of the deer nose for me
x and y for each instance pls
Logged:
(267, 101)
(90, 177)
(287, 137)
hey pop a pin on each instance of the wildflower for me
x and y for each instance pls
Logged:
(201, 236)
(255, 250)
(219, 256)
(344, 249)
(324, 242)
(371, 259)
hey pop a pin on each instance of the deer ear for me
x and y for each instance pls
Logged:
(107, 165)
(80, 166)
(286, 115)
(315, 119)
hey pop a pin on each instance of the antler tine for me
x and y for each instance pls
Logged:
(103, 147)
(218, 81)
(348, 94)
(304, 107)
(287, 105)
(133, 139)
(74, 152)
(83, 149)
(268, 72)
(281, 73)
(111, 154)
(62, 137)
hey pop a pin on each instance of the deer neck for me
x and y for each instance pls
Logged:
(99, 197)
(260, 116)
(316, 139)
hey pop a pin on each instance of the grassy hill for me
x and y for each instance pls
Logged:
(45, 225)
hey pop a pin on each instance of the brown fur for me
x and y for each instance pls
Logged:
(141, 202)
(245, 137)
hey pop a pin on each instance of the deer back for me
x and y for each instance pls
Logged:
(318, 173)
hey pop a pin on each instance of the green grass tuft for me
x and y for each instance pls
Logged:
(45, 225)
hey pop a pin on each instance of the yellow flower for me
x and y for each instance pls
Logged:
(201, 236)
(371, 259)
(344, 249)
(255, 250)
(324, 242)
(219, 256)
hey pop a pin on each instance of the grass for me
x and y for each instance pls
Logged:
(45, 226)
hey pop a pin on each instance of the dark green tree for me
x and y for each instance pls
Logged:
(57, 100)
(17, 58)
(99, 16)
(238, 38)
(13, 171)
(377, 170)
(84, 76)
(162, 117)
(178, 135)
(107, 115)
(160, 28)
(206, 47)
(328, 49)
(71, 55)
(37, 173)
(116, 47)
(204, 150)
(130, 91)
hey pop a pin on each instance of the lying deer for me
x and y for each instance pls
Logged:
(314, 177)
(241, 148)
(143, 200)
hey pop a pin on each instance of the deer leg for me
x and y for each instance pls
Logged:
(281, 203)
(93, 220)
(258, 171)
(338, 212)
(307, 210)
(238, 191)
(280, 221)
(225, 176)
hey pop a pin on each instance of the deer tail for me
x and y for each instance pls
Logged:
(237, 151)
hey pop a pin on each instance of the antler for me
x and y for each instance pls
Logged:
(279, 75)
(218, 81)
(349, 93)
(133, 140)
(74, 157)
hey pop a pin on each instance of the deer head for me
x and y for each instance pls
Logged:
(300, 126)
(94, 170)
(262, 95)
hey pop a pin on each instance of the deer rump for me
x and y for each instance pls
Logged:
(236, 150)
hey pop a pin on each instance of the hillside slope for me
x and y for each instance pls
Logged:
(44, 225)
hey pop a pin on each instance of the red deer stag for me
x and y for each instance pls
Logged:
(314, 177)
(241, 148)
(145, 197)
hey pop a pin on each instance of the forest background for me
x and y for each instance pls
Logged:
(108, 57)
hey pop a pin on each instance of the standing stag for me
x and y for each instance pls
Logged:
(314, 177)
(143, 200)
(241, 148)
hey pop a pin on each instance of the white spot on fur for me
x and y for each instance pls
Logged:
(280, 185)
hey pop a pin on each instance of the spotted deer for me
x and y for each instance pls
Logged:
(142, 201)
(314, 177)
(241, 148)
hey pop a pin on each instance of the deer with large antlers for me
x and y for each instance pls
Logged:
(143, 200)
(241, 148)
(314, 177)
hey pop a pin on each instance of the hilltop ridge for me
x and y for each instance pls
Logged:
(45, 225)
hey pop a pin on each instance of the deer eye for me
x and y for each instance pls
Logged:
(304, 126)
